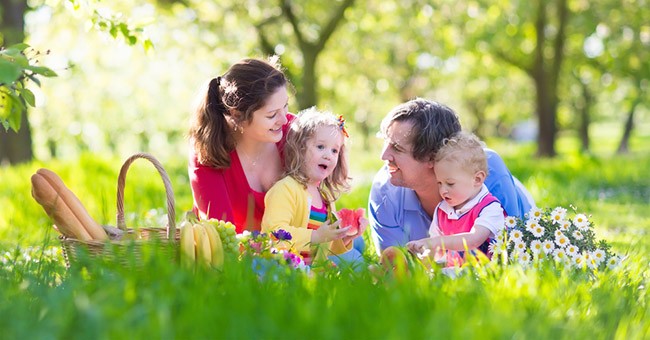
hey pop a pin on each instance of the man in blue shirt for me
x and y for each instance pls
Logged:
(404, 193)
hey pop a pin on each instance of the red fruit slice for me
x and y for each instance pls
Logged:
(349, 217)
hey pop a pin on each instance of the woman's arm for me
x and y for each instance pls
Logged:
(211, 199)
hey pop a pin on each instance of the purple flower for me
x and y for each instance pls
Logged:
(293, 259)
(282, 235)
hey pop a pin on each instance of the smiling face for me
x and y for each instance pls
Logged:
(457, 184)
(267, 122)
(405, 171)
(322, 153)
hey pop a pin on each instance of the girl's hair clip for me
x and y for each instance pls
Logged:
(342, 126)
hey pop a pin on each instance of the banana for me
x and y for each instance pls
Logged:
(188, 249)
(215, 245)
(203, 250)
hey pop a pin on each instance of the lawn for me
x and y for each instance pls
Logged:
(40, 298)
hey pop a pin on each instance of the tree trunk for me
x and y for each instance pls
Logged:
(585, 117)
(623, 146)
(546, 74)
(308, 97)
(15, 147)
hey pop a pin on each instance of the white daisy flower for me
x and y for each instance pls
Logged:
(559, 255)
(511, 222)
(524, 258)
(613, 262)
(520, 246)
(572, 250)
(559, 210)
(578, 235)
(531, 225)
(562, 241)
(538, 231)
(495, 248)
(558, 214)
(535, 213)
(591, 263)
(501, 237)
(558, 233)
(548, 246)
(565, 225)
(536, 246)
(598, 255)
(581, 221)
(578, 261)
(516, 235)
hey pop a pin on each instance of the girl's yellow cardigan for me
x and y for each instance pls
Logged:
(287, 205)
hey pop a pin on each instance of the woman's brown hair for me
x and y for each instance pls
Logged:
(227, 102)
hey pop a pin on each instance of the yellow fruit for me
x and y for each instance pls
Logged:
(202, 242)
(216, 245)
(188, 250)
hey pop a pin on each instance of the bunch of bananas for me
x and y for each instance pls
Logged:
(201, 244)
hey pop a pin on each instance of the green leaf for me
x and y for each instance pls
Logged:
(113, 31)
(147, 44)
(42, 70)
(35, 79)
(9, 71)
(17, 108)
(18, 46)
(28, 96)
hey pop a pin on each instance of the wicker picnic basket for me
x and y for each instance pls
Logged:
(128, 241)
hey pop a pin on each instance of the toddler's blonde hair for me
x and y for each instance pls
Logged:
(466, 150)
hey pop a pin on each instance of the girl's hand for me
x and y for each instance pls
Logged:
(328, 232)
(363, 224)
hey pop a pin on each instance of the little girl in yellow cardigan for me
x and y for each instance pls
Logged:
(316, 174)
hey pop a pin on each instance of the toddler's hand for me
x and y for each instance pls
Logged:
(424, 246)
(328, 232)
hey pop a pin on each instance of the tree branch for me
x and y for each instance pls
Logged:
(516, 63)
(266, 45)
(329, 29)
(288, 12)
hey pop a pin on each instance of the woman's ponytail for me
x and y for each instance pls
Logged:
(210, 132)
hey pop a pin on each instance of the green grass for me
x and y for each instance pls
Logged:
(39, 298)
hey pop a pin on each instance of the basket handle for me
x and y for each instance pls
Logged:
(171, 211)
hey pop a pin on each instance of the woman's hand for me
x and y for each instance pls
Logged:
(328, 232)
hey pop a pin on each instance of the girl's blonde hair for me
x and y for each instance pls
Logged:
(466, 150)
(303, 128)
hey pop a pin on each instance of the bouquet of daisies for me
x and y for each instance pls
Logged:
(552, 235)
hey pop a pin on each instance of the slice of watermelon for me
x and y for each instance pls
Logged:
(349, 217)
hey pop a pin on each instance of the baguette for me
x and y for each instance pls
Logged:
(54, 206)
(75, 205)
(70, 200)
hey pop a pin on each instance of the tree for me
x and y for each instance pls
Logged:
(18, 66)
(15, 146)
(311, 35)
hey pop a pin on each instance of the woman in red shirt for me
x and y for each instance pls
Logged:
(236, 138)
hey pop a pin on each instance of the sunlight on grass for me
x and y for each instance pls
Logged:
(152, 296)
